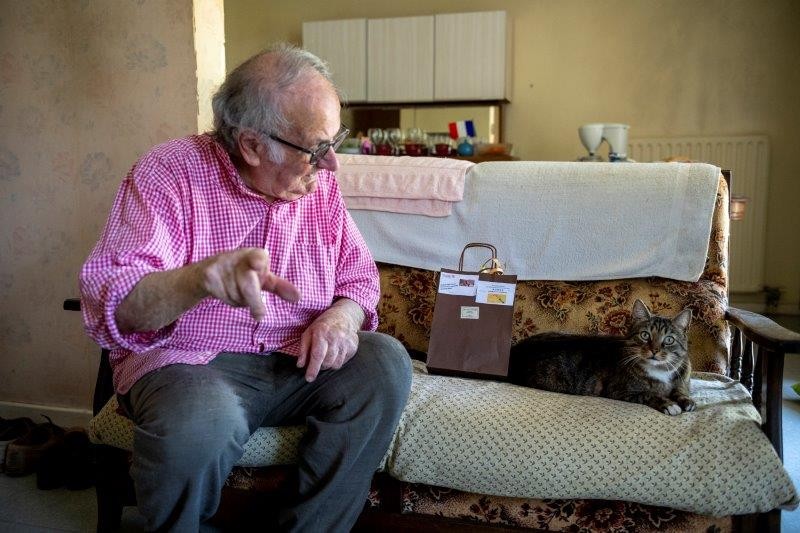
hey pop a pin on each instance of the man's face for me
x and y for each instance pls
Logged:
(312, 111)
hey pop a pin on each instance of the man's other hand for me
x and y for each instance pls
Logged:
(332, 339)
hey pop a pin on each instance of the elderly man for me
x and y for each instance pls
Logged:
(233, 288)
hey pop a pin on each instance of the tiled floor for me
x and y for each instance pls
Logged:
(25, 509)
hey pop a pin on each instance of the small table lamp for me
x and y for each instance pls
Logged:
(738, 206)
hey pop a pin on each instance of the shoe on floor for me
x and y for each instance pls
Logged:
(68, 463)
(11, 430)
(51, 467)
(81, 466)
(24, 453)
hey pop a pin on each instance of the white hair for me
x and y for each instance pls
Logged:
(252, 96)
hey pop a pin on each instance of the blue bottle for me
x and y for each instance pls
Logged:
(465, 147)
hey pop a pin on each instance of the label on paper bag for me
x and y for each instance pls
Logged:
(457, 284)
(489, 292)
(470, 312)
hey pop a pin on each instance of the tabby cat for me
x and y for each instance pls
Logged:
(649, 366)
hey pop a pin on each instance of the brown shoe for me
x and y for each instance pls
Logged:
(11, 430)
(24, 453)
(68, 463)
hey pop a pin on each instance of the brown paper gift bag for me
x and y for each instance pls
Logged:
(472, 317)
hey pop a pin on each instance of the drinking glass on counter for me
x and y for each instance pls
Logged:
(379, 139)
(440, 144)
(395, 138)
(376, 136)
(414, 142)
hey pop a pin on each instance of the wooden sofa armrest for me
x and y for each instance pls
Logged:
(757, 355)
(763, 331)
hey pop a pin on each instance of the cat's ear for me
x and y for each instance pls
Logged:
(682, 320)
(640, 311)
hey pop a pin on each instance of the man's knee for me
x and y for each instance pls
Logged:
(195, 421)
(389, 363)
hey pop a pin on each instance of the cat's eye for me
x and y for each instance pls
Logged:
(668, 340)
(645, 336)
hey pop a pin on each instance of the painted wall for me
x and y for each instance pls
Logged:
(85, 88)
(666, 67)
(209, 48)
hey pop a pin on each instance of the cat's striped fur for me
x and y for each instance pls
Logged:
(649, 366)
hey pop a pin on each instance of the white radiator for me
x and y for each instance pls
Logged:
(748, 158)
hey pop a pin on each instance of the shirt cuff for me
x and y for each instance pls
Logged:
(368, 305)
(138, 341)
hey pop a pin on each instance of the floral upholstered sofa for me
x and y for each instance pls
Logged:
(470, 453)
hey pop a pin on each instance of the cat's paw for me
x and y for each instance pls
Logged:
(687, 404)
(672, 409)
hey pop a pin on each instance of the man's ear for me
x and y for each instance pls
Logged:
(248, 143)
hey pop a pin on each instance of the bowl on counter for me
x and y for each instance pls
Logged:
(484, 149)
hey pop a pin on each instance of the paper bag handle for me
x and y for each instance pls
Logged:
(495, 268)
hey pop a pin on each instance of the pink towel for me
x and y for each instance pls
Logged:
(413, 185)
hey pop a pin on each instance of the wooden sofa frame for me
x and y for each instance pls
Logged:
(758, 349)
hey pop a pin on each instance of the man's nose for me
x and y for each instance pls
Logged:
(329, 161)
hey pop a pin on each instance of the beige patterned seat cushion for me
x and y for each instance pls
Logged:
(267, 446)
(503, 440)
(499, 439)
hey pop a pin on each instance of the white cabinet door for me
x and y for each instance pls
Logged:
(343, 44)
(471, 56)
(400, 59)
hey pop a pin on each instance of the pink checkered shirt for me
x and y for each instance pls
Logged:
(183, 202)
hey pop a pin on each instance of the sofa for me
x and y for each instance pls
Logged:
(473, 454)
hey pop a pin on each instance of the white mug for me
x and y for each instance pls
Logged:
(591, 136)
(617, 137)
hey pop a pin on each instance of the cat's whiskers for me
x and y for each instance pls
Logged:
(629, 360)
(675, 366)
(672, 367)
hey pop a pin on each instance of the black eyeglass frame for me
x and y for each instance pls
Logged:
(321, 149)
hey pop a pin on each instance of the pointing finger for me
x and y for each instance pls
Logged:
(283, 288)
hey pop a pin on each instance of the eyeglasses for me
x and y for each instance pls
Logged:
(321, 149)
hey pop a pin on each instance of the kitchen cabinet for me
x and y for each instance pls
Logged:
(400, 59)
(437, 58)
(343, 44)
(470, 56)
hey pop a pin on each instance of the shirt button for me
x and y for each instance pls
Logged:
(260, 346)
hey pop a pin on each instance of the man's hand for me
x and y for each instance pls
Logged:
(238, 277)
(332, 339)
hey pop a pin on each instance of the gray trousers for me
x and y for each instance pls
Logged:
(192, 422)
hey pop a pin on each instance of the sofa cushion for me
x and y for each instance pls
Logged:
(408, 295)
(503, 440)
(498, 439)
(267, 446)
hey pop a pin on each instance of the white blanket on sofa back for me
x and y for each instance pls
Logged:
(563, 221)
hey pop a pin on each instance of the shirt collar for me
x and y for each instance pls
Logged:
(230, 172)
